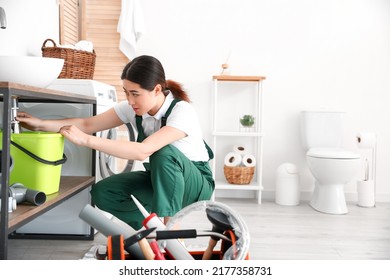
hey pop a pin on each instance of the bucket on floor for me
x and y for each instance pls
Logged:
(38, 159)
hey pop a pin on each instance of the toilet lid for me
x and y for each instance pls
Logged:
(332, 153)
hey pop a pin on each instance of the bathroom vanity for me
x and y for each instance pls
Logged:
(69, 185)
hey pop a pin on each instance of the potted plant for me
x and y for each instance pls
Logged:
(247, 120)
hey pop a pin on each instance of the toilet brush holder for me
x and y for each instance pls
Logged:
(366, 193)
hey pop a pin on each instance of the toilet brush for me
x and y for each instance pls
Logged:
(368, 140)
(366, 171)
(366, 189)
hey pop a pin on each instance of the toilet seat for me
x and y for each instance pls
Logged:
(332, 153)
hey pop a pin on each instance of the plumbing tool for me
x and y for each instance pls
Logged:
(186, 233)
(116, 245)
(143, 244)
(156, 250)
(107, 227)
(173, 247)
(220, 224)
(115, 248)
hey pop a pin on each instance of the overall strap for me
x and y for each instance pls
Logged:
(138, 121)
(164, 119)
(141, 134)
(164, 122)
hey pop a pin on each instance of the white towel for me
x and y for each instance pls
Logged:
(131, 26)
(84, 45)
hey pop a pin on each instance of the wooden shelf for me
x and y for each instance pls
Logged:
(239, 78)
(256, 133)
(226, 186)
(69, 186)
(237, 134)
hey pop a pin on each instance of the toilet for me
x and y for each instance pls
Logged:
(331, 166)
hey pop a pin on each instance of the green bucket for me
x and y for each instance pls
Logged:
(38, 159)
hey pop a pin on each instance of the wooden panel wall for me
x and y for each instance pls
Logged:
(99, 24)
(69, 22)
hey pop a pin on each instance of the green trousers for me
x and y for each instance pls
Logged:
(171, 182)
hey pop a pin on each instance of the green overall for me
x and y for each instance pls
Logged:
(171, 181)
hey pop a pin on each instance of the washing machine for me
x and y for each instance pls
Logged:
(106, 98)
(63, 220)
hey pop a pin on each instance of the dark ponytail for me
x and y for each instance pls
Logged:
(177, 90)
(148, 72)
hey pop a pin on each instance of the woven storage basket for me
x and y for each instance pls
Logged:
(77, 64)
(239, 175)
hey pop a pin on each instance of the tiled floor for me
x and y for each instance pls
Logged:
(276, 233)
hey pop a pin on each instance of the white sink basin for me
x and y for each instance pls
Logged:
(30, 70)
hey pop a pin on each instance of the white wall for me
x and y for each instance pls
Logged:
(315, 54)
(29, 24)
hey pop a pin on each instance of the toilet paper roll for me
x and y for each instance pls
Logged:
(366, 140)
(249, 160)
(240, 149)
(233, 159)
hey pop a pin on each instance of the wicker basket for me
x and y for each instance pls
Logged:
(77, 64)
(239, 175)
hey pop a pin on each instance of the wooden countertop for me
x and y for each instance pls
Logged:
(69, 186)
(33, 94)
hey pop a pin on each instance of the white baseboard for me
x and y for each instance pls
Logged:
(305, 195)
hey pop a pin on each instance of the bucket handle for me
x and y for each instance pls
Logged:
(56, 162)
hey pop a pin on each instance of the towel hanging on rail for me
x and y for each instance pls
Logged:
(131, 26)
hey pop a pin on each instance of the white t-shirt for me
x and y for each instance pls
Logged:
(183, 117)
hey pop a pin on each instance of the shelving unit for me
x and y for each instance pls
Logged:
(230, 132)
(69, 185)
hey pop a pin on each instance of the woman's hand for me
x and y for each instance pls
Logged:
(28, 121)
(74, 135)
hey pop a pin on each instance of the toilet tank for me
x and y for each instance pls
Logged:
(321, 129)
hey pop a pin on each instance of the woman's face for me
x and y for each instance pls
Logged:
(142, 100)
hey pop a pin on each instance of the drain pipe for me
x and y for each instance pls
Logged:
(108, 227)
(21, 194)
